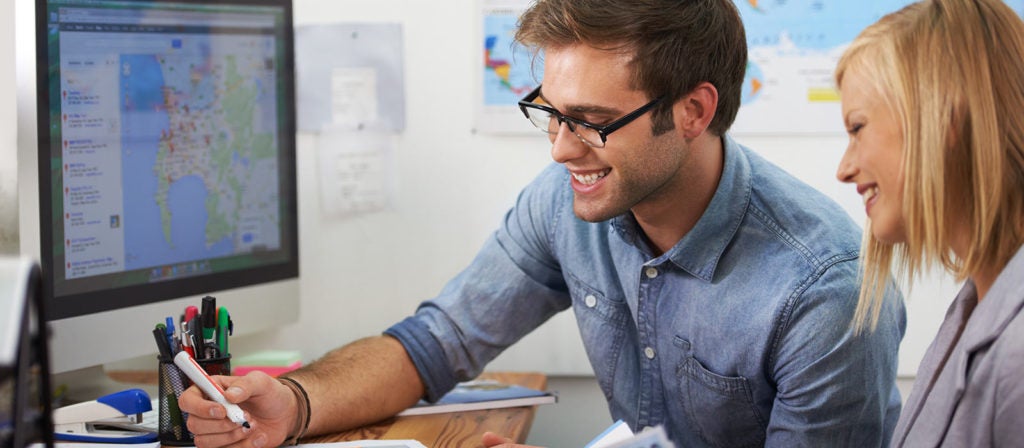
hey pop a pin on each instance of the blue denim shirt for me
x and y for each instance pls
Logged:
(740, 335)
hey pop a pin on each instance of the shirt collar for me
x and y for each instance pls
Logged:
(701, 248)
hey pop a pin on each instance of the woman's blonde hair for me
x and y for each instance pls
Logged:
(952, 71)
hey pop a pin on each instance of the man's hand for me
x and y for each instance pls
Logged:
(270, 406)
(492, 440)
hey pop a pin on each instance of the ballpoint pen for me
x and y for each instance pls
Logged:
(196, 338)
(170, 335)
(187, 336)
(190, 312)
(160, 334)
(212, 390)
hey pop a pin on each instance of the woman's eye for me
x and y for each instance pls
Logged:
(854, 129)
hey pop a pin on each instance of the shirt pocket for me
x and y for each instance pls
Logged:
(602, 323)
(720, 408)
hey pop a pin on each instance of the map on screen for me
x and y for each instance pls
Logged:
(173, 160)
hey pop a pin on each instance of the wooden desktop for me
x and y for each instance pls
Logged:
(457, 429)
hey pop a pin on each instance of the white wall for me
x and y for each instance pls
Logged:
(361, 274)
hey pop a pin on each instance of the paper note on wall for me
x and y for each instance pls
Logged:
(353, 96)
(350, 73)
(354, 167)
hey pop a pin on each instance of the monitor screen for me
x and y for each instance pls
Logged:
(166, 149)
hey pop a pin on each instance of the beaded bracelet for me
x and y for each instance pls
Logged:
(304, 418)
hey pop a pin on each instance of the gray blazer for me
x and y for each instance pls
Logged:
(976, 397)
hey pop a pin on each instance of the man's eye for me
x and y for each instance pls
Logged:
(598, 121)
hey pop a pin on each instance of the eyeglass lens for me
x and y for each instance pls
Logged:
(548, 122)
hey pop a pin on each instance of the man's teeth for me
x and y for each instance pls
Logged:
(590, 179)
(870, 194)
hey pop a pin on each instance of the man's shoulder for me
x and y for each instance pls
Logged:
(800, 214)
(774, 187)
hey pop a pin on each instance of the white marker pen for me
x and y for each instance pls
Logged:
(210, 388)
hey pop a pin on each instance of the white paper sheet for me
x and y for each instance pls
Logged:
(365, 443)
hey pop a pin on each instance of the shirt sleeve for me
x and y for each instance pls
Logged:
(835, 387)
(512, 286)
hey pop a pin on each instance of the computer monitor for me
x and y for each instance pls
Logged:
(166, 168)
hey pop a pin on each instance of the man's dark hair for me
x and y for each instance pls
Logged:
(676, 45)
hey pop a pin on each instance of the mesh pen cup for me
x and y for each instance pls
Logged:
(173, 427)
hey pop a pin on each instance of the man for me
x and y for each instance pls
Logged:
(714, 292)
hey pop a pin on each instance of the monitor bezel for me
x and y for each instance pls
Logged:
(83, 303)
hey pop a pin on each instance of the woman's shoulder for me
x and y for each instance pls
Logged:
(1007, 353)
(1011, 340)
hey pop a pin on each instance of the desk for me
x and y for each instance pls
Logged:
(458, 429)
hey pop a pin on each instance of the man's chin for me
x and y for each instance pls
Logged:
(591, 213)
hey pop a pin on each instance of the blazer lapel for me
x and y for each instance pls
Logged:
(990, 317)
(938, 386)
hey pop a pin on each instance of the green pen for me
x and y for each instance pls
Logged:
(177, 421)
(224, 328)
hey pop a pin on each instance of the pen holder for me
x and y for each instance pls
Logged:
(172, 428)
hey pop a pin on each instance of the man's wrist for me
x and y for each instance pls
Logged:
(302, 410)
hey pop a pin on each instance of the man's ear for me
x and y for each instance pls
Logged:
(693, 113)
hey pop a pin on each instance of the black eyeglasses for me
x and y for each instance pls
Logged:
(548, 120)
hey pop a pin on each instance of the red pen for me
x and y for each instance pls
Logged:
(186, 335)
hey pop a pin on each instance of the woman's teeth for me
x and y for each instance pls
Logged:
(869, 194)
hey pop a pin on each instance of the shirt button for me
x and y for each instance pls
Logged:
(590, 300)
(651, 272)
(649, 353)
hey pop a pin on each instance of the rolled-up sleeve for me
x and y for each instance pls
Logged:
(512, 286)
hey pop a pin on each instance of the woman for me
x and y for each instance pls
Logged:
(933, 101)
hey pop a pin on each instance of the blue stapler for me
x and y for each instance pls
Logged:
(100, 420)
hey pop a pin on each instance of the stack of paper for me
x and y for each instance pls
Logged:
(620, 436)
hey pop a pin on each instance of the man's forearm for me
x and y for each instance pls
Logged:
(360, 383)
